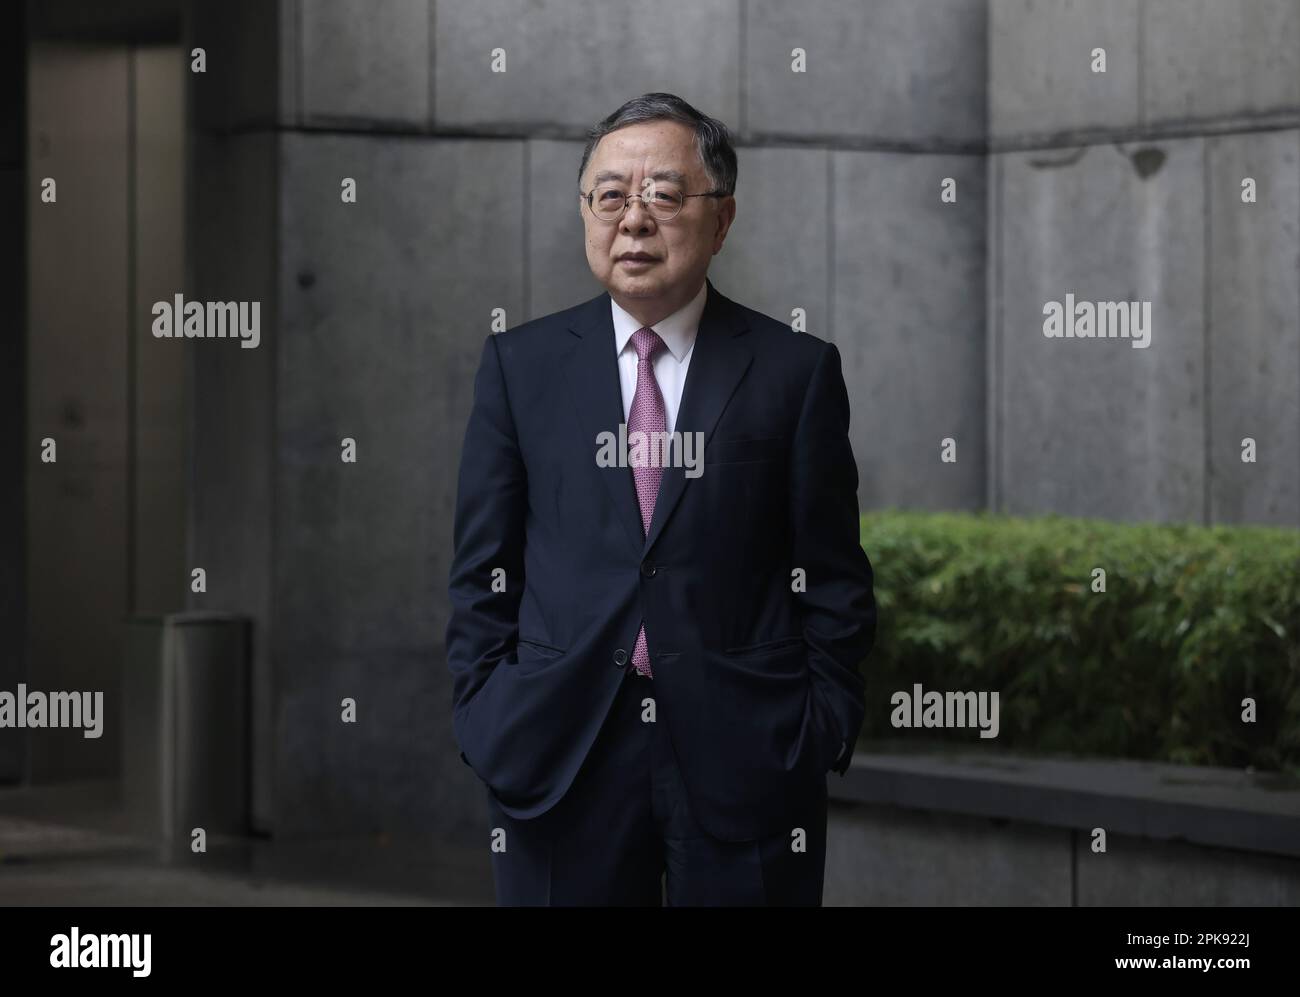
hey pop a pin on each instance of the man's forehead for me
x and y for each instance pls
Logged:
(611, 172)
(664, 153)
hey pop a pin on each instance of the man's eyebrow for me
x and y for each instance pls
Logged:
(668, 176)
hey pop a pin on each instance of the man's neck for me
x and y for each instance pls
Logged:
(651, 311)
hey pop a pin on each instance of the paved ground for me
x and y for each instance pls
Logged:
(70, 845)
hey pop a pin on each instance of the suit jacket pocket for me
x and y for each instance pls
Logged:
(529, 651)
(784, 656)
(766, 647)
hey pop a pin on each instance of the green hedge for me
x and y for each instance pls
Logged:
(1193, 620)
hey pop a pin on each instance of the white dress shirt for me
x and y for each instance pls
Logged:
(678, 332)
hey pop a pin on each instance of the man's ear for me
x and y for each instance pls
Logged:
(726, 215)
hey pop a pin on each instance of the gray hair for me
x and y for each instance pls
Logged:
(712, 139)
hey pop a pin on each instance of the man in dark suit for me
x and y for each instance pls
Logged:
(656, 661)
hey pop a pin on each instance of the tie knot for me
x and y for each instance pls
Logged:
(647, 343)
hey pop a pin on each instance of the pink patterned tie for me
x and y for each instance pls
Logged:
(647, 417)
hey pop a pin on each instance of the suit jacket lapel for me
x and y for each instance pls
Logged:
(592, 373)
(718, 362)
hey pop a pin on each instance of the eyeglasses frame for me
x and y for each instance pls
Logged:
(644, 196)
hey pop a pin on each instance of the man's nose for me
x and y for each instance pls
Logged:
(643, 221)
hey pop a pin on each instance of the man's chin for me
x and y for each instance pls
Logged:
(637, 287)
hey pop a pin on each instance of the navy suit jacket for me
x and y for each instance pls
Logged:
(754, 590)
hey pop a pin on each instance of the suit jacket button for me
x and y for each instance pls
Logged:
(648, 570)
(620, 657)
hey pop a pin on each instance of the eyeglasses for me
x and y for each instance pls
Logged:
(664, 201)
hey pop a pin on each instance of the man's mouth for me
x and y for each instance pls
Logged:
(637, 258)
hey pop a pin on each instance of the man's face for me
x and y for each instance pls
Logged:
(680, 248)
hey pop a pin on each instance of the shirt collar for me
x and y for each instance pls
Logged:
(677, 331)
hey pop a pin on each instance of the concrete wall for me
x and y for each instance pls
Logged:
(889, 856)
(16, 449)
(78, 392)
(387, 361)
(160, 389)
(1126, 185)
(106, 524)
(233, 258)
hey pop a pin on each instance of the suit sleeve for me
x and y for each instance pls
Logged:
(838, 606)
(491, 503)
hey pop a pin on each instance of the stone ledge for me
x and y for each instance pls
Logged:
(1226, 808)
